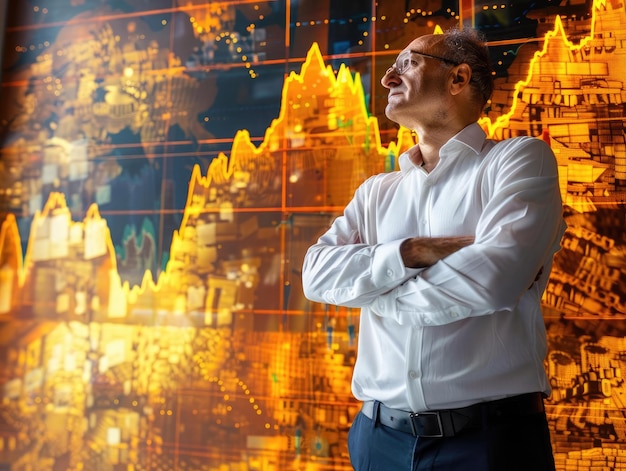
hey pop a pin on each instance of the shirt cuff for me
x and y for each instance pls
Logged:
(388, 267)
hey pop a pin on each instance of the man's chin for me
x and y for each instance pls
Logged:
(392, 112)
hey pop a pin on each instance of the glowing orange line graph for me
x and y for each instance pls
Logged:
(503, 120)
(222, 168)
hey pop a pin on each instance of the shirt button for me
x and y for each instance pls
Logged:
(390, 273)
(413, 374)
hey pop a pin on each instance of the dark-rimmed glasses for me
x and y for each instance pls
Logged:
(403, 62)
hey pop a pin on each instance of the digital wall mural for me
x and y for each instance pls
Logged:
(165, 165)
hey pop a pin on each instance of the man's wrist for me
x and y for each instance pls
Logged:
(409, 251)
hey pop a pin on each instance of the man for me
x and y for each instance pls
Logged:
(447, 259)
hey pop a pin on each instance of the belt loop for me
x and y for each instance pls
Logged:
(375, 410)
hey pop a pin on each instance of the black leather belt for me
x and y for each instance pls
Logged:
(450, 422)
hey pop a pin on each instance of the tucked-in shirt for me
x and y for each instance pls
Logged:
(470, 327)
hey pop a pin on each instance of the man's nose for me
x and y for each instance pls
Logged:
(389, 74)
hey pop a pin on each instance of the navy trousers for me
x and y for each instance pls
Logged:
(522, 444)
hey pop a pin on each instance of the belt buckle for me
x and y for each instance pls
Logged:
(439, 424)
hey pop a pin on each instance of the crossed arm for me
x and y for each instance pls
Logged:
(423, 280)
(422, 252)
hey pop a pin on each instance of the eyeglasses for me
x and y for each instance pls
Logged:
(404, 61)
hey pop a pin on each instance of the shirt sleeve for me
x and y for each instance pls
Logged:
(341, 269)
(517, 235)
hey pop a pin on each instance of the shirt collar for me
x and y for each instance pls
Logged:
(471, 136)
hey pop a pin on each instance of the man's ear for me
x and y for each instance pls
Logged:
(461, 76)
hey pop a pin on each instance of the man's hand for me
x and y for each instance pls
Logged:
(420, 252)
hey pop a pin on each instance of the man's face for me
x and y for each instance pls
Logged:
(417, 82)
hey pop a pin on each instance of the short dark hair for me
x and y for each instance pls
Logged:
(469, 46)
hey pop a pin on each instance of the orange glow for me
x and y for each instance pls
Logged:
(299, 90)
(220, 332)
(557, 34)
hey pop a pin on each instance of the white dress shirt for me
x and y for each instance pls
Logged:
(470, 327)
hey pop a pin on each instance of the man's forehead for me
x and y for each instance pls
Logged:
(427, 43)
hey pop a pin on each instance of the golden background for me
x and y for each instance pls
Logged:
(164, 167)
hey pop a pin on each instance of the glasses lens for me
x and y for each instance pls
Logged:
(403, 62)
